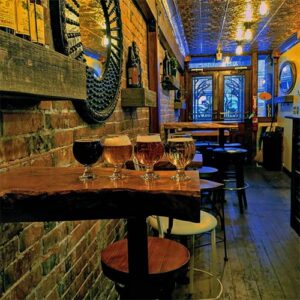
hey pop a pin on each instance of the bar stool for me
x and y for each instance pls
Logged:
(207, 224)
(167, 260)
(233, 157)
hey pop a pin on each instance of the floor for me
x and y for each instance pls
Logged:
(263, 250)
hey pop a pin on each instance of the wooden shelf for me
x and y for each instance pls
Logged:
(138, 97)
(28, 70)
(170, 83)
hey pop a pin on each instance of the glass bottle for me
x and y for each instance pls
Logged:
(22, 14)
(132, 70)
(166, 65)
(40, 22)
(8, 16)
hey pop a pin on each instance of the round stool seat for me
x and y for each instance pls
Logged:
(207, 170)
(201, 144)
(230, 150)
(207, 223)
(232, 145)
(165, 258)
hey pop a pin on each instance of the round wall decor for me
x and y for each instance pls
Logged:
(91, 31)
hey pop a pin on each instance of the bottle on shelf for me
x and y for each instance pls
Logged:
(32, 21)
(37, 22)
(166, 65)
(22, 16)
(8, 16)
(132, 70)
(40, 22)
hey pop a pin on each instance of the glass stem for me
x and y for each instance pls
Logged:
(88, 172)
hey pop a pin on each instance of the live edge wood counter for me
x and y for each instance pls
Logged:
(56, 194)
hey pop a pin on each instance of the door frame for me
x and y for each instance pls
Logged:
(218, 75)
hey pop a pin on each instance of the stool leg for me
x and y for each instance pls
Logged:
(192, 266)
(214, 257)
(223, 228)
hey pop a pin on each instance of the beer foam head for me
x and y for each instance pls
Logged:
(120, 140)
(148, 138)
(180, 139)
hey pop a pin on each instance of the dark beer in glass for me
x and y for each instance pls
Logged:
(87, 151)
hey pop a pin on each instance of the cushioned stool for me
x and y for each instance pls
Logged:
(177, 227)
(232, 157)
(167, 260)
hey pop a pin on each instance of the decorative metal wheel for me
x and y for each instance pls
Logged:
(102, 90)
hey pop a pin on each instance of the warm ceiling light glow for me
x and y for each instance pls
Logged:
(239, 34)
(248, 12)
(248, 34)
(226, 59)
(105, 41)
(239, 50)
(263, 8)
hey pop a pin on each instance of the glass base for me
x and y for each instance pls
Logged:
(180, 176)
(87, 174)
(150, 176)
(117, 176)
(86, 177)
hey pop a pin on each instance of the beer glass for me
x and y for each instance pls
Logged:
(148, 150)
(87, 151)
(180, 151)
(117, 150)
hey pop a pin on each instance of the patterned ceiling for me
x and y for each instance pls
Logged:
(207, 23)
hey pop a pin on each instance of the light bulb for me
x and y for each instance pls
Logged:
(239, 34)
(239, 50)
(248, 34)
(263, 8)
(248, 12)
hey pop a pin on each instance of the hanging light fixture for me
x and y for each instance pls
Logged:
(248, 32)
(263, 8)
(239, 49)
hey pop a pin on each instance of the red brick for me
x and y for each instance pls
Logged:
(8, 252)
(27, 284)
(44, 160)
(60, 105)
(52, 238)
(12, 149)
(21, 123)
(63, 157)
(63, 138)
(30, 235)
(45, 105)
(21, 265)
(50, 281)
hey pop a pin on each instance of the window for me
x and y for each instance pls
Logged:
(265, 83)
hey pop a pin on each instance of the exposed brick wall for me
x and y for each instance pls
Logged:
(61, 260)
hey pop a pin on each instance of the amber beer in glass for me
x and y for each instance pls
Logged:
(148, 150)
(117, 150)
(87, 151)
(180, 151)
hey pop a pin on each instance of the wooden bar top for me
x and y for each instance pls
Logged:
(45, 194)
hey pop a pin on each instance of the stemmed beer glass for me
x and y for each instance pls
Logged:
(180, 151)
(117, 150)
(148, 150)
(87, 151)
